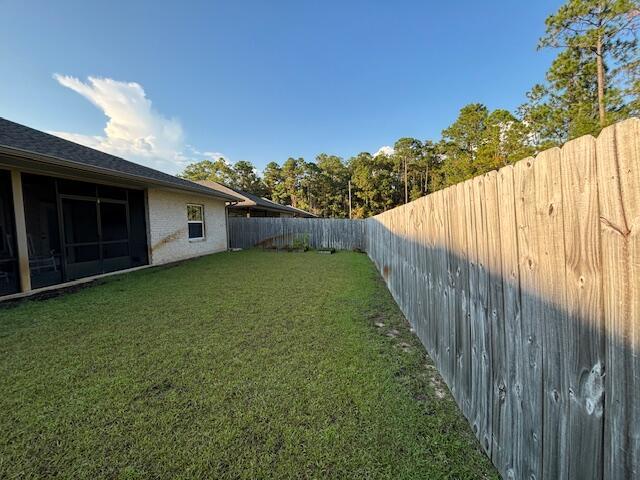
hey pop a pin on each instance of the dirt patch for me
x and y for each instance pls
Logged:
(438, 388)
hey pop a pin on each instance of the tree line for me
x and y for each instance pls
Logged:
(593, 81)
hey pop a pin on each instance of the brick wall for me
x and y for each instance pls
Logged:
(168, 234)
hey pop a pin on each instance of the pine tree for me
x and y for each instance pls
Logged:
(599, 41)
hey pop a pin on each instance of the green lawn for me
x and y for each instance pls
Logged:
(237, 365)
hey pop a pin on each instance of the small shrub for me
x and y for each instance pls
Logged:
(301, 242)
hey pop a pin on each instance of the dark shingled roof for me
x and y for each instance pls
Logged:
(250, 200)
(28, 141)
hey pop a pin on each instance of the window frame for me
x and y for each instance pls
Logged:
(200, 222)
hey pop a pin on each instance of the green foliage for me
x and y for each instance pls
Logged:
(333, 186)
(301, 242)
(294, 171)
(376, 183)
(242, 175)
(273, 179)
(218, 170)
(461, 142)
(582, 24)
(412, 155)
(246, 179)
(281, 373)
(631, 75)
(591, 83)
(480, 141)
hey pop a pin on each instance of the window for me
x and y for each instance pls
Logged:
(195, 221)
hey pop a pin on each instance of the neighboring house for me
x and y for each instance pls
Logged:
(253, 205)
(69, 211)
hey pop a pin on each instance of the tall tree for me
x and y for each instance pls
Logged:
(546, 117)
(333, 185)
(461, 142)
(429, 160)
(376, 184)
(601, 32)
(505, 141)
(218, 170)
(292, 173)
(246, 178)
(274, 181)
(477, 142)
(407, 153)
(310, 178)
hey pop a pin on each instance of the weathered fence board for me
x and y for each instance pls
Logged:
(481, 326)
(433, 308)
(471, 259)
(552, 324)
(495, 310)
(508, 447)
(442, 282)
(462, 369)
(618, 163)
(531, 314)
(584, 347)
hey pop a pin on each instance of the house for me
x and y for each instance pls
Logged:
(253, 205)
(69, 212)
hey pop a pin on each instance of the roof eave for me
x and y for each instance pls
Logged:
(262, 207)
(63, 162)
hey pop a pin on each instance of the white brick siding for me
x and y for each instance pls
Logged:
(168, 234)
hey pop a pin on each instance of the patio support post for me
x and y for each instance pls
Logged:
(21, 231)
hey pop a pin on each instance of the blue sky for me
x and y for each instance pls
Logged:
(254, 80)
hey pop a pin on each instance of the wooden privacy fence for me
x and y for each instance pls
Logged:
(524, 286)
(335, 233)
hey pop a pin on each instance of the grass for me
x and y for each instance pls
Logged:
(237, 365)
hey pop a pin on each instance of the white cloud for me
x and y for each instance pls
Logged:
(134, 130)
(385, 150)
